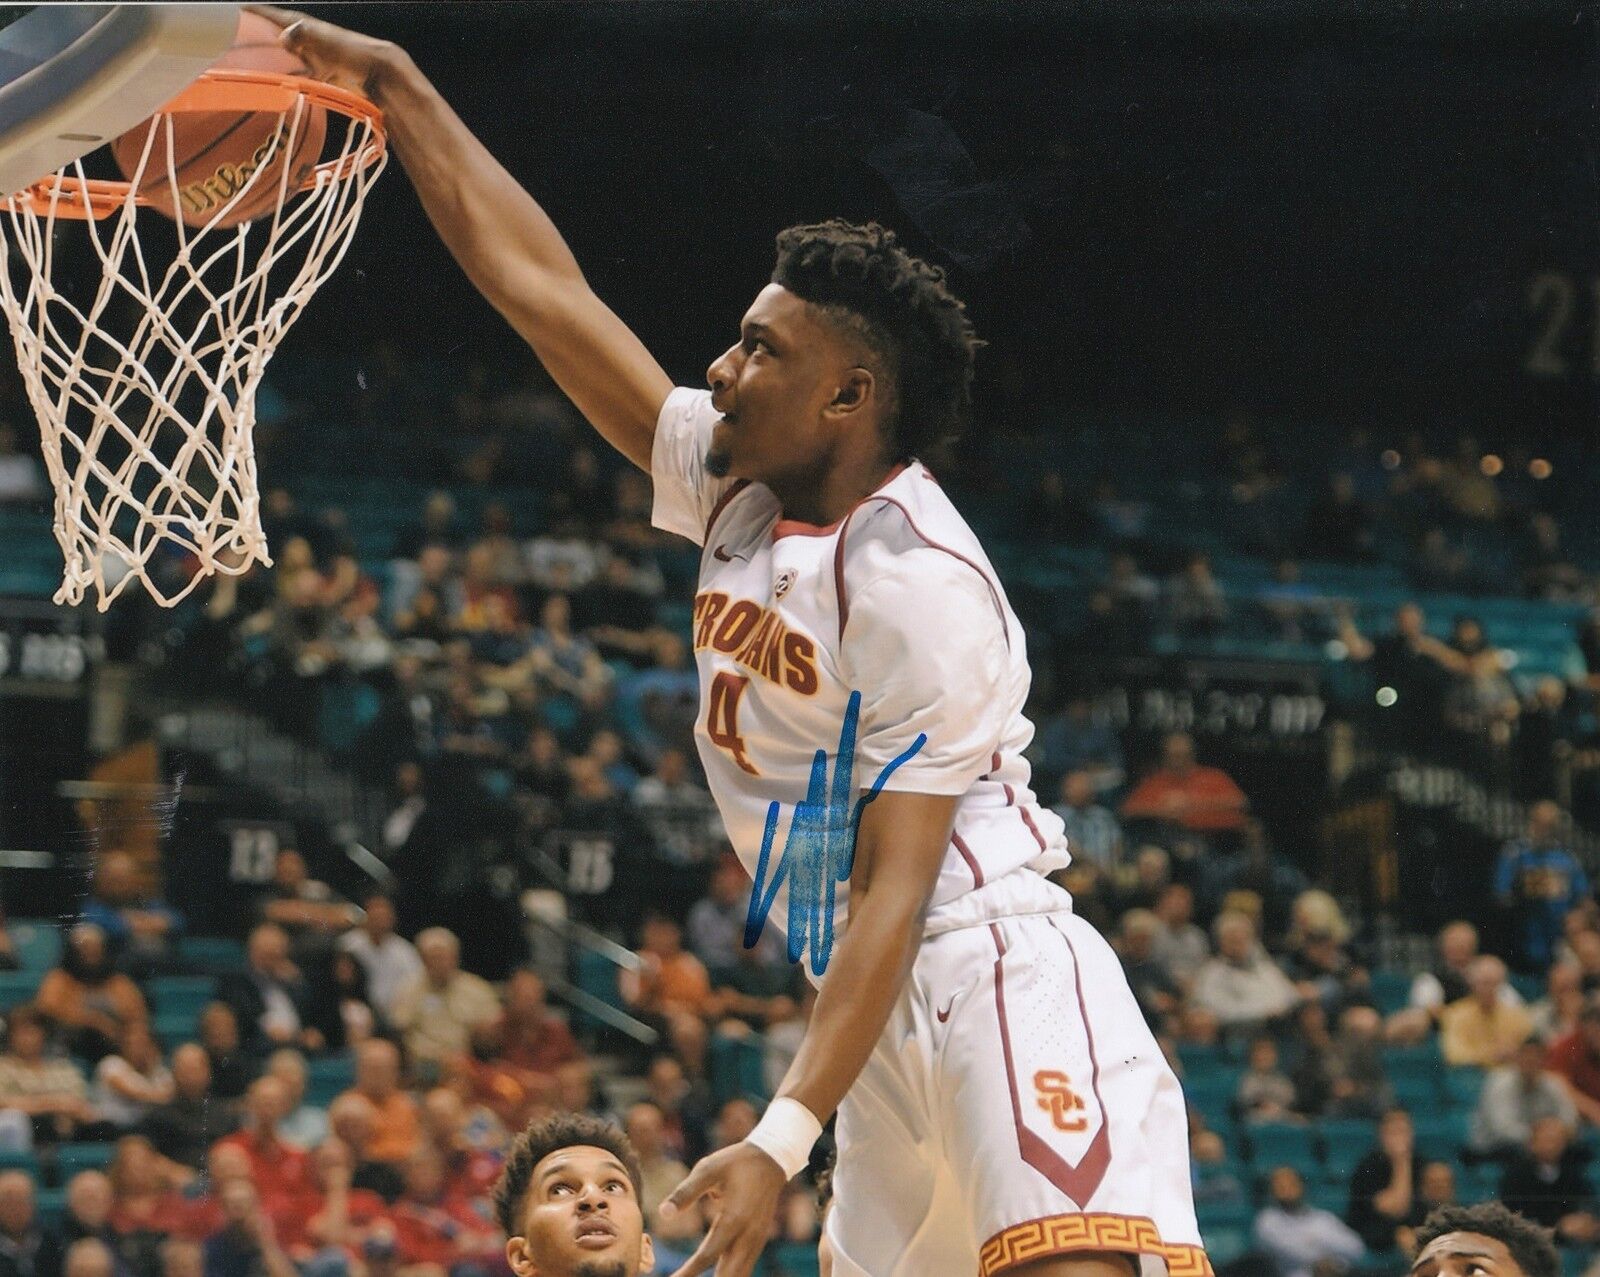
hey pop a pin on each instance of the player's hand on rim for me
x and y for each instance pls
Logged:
(344, 59)
(748, 1184)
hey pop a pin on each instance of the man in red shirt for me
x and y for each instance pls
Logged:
(333, 1213)
(433, 1227)
(524, 1048)
(1202, 800)
(278, 1168)
(1575, 1059)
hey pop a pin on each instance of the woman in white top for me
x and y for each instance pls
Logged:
(131, 1081)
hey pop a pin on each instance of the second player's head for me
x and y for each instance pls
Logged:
(855, 349)
(569, 1201)
(1487, 1240)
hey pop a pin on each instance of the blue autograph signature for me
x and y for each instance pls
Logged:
(820, 850)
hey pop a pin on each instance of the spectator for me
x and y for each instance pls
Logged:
(1152, 984)
(86, 999)
(1575, 1059)
(470, 1143)
(760, 992)
(441, 1008)
(1480, 702)
(302, 1125)
(146, 1199)
(247, 1244)
(526, 1035)
(1265, 1093)
(1412, 664)
(1383, 1184)
(680, 815)
(132, 1081)
(1446, 982)
(337, 1215)
(1556, 1014)
(717, 920)
(353, 1120)
(1092, 831)
(1300, 1240)
(436, 1229)
(1513, 1098)
(140, 929)
(1073, 740)
(26, 1249)
(232, 1070)
(645, 1125)
(278, 1168)
(1436, 1191)
(1539, 881)
(88, 1215)
(179, 1257)
(186, 1126)
(21, 477)
(1546, 1183)
(670, 987)
(685, 1108)
(1358, 1087)
(395, 1130)
(269, 998)
(1181, 946)
(1194, 601)
(47, 1090)
(338, 1008)
(1479, 1029)
(89, 1257)
(309, 912)
(1241, 986)
(1201, 800)
(390, 960)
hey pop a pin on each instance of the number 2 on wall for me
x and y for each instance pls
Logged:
(722, 717)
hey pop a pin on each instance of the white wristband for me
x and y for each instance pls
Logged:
(785, 1133)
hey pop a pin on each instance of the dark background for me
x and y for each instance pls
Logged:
(1349, 214)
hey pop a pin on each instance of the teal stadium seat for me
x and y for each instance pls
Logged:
(20, 1159)
(1391, 990)
(795, 1259)
(1226, 1243)
(1282, 1144)
(737, 1068)
(17, 987)
(1462, 1083)
(328, 1076)
(38, 943)
(1441, 1136)
(181, 993)
(1345, 1141)
(215, 954)
(50, 1207)
(72, 1158)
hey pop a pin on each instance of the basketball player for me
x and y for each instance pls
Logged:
(1002, 1106)
(568, 1200)
(1487, 1240)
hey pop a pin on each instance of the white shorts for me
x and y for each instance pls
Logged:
(1016, 1107)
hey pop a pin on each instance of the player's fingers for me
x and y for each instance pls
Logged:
(692, 1188)
(705, 1255)
(740, 1259)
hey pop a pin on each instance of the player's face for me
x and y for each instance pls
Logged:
(777, 388)
(581, 1219)
(1466, 1255)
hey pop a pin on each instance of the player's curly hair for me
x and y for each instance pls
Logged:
(901, 307)
(1533, 1247)
(542, 1138)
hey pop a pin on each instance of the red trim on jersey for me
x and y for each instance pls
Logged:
(739, 486)
(972, 861)
(994, 594)
(1077, 1182)
(799, 528)
(838, 574)
(1032, 828)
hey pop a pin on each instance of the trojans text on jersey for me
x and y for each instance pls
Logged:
(757, 639)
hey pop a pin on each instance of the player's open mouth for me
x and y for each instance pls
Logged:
(596, 1233)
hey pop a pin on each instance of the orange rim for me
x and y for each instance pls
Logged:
(222, 89)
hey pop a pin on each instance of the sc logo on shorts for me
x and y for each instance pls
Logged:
(1057, 1098)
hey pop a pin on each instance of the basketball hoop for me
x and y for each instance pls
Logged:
(145, 390)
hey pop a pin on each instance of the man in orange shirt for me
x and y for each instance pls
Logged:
(279, 1169)
(1201, 800)
(395, 1133)
(671, 988)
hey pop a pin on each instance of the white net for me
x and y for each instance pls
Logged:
(145, 384)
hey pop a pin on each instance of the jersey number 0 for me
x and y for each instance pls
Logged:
(722, 718)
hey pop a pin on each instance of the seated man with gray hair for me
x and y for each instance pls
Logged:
(443, 1006)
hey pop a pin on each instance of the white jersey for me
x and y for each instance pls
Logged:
(896, 603)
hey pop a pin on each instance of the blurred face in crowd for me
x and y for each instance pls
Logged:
(424, 1175)
(89, 943)
(1548, 1141)
(288, 1068)
(1176, 906)
(647, 1129)
(1138, 934)
(191, 1071)
(666, 1081)
(379, 921)
(735, 1121)
(117, 880)
(352, 1118)
(268, 949)
(1486, 976)
(219, 1029)
(574, 1086)
(89, 1199)
(1544, 824)
(331, 1160)
(671, 769)
(1530, 1062)
(525, 996)
(134, 1169)
(1408, 620)
(1263, 1055)
(265, 1103)
(581, 1216)
(1564, 980)
(439, 953)
(289, 870)
(88, 1257)
(661, 937)
(728, 884)
(16, 1203)
(377, 1068)
(182, 1259)
(1077, 790)
(26, 1039)
(1360, 1024)
(1586, 949)
(228, 1163)
(1287, 1188)
(1236, 937)
(443, 1115)
(1177, 754)
(237, 1198)
(1437, 1186)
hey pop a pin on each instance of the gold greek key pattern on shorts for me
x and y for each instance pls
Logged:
(1061, 1234)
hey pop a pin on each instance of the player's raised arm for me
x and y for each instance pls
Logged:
(504, 241)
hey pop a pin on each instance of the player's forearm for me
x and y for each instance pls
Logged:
(864, 979)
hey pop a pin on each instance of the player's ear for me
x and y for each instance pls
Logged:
(647, 1255)
(520, 1260)
(855, 391)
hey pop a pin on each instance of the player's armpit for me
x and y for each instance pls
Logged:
(900, 845)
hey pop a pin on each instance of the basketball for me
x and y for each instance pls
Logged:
(215, 153)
